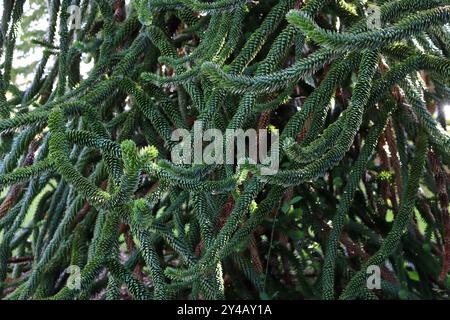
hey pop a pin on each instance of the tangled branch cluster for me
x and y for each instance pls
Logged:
(87, 178)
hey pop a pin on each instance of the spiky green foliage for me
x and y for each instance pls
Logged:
(87, 179)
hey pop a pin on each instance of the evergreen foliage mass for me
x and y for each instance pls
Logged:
(87, 180)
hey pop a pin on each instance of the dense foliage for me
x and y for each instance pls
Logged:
(87, 180)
